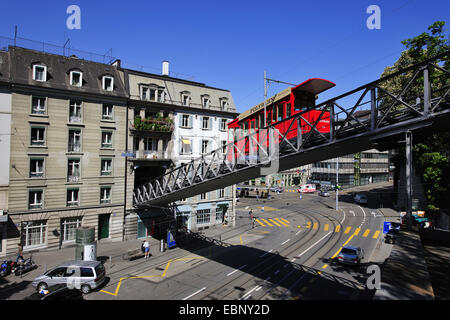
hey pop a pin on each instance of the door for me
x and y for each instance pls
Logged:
(57, 276)
(141, 229)
(103, 226)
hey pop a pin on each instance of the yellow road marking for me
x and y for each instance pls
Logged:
(281, 222)
(326, 227)
(299, 227)
(357, 231)
(347, 230)
(338, 228)
(284, 220)
(271, 220)
(308, 224)
(267, 222)
(324, 266)
(337, 252)
(366, 233)
(376, 234)
(316, 225)
(257, 220)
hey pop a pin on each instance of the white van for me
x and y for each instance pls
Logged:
(307, 188)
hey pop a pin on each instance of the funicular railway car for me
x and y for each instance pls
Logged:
(279, 107)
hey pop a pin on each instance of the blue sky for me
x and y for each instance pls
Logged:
(229, 44)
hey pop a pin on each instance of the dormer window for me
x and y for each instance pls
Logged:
(206, 101)
(144, 93)
(76, 78)
(152, 93)
(39, 72)
(185, 98)
(108, 83)
(223, 103)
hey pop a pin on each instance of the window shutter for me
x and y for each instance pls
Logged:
(181, 120)
(210, 123)
(190, 121)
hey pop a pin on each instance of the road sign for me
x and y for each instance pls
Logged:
(387, 226)
(128, 154)
(170, 240)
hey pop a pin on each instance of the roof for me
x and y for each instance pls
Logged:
(80, 263)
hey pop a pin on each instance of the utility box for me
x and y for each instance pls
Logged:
(86, 247)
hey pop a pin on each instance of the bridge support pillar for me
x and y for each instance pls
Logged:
(409, 179)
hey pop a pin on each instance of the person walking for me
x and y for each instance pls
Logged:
(146, 245)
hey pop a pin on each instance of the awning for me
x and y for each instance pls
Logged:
(186, 141)
(202, 206)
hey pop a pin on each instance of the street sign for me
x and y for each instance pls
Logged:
(128, 154)
(170, 240)
(386, 226)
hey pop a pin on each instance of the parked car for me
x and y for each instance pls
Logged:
(324, 193)
(351, 255)
(57, 292)
(88, 275)
(360, 198)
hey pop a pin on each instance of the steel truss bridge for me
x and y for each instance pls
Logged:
(371, 116)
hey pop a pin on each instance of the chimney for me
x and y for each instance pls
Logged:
(165, 68)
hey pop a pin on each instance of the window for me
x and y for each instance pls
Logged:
(223, 124)
(149, 144)
(73, 197)
(86, 272)
(206, 123)
(35, 233)
(108, 83)
(186, 99)
(185, 121)
(75, 111)
(219, 213)
(185, 146)
(160, 95)
(203, 216)
(223, 103)
(76, 78)
(36, 168)
(224, 146)
(205, 101)
(74, 140)
(274, 114)
(205, 146)
(280, 112)
(144, 92)
(105, 195)
(152, 94)
(288, 110)
(106, 167)
(38, 105)
(107, 112)
(37, 136)
(39, 73)
(106, 139)
(35, 199)
(68, 227)
(73, 170)
(221, 193)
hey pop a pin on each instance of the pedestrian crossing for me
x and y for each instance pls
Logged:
(283, 223)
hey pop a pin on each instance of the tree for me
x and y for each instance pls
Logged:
(431, 155)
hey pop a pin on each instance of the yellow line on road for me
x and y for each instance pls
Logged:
(267, 222)
(376, 234)
(257, 220)
(338, 228)
(347, 230)
(316, 225)
(366, 233)
(271, 220)
(284, 220)
(357, 231)
(284, 224)
(326, 227)
(308, 224)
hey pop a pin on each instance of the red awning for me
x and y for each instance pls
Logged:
(314, 86)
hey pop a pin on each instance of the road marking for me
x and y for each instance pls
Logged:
(338, 228)
(313, 245)
(326, 227)
(276, 223)
(286, 241)
(266, 253)
(236, 270)
(298, 232)
(247, 295)
(352, 212)
(284, 220)
(316, 225)
(308, 224)
(357, 231)
(267, 222)
(324, 266)
(347, 230)
(293, 260)
(366, 233)
(195, 293)
(257, 220)
(281, 222)
(376, 234)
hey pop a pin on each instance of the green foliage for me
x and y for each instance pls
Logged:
(159, 124)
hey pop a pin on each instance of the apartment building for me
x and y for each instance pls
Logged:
(172, 121)
(67, 134)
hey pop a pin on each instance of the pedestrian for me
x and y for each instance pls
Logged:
(146, 249)
(142, 247)
(20, 253)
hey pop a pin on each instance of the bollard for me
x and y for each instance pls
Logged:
(162, 245)
(110, 262)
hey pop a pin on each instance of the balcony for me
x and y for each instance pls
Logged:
(150, 155)
(157, 125)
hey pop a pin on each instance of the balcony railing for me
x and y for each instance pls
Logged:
(153, 124)
(142, 154)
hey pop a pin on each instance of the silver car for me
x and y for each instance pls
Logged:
(84, 275)
(351, 255)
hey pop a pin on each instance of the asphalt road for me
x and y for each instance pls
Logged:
(286, 255)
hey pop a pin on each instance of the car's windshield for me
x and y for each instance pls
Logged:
(348, 251)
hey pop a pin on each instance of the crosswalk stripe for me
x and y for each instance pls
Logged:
(284, 220)
(357, 231)
(347, 230)
(316, 225)
(326, 227)
(284, 224)
(338, 228)
(267, 222)
(271, 220)
(257, 220)
(376, 234)
(366, 233)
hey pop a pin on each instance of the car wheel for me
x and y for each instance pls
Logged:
(85, 289)
(42, 286)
